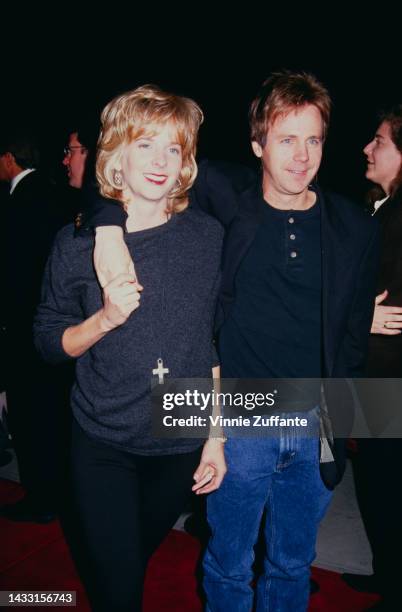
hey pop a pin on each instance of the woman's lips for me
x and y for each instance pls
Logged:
(156, 179)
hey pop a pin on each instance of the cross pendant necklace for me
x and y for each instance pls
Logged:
(160, 371)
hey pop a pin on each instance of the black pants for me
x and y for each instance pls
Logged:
(377, 471)
(126, 505)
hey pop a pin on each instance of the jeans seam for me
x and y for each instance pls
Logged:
(269, 546)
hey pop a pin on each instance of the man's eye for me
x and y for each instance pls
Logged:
(286, 140)
(314, 141)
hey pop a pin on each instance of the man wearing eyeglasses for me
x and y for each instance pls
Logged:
(80, 153)
(75, 157)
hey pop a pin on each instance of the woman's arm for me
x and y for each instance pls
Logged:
(120, 298)
(61, 329)
(387, 320)
(212, 469)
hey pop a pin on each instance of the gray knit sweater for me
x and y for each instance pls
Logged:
(178, 264)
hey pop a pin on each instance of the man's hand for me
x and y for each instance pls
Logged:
(212, 469)
(111, 255)
(387, 320)
(120, 298)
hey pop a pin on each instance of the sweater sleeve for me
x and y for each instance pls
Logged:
(99, 211)
(59, 307)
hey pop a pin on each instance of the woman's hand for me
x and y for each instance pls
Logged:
(212, 469)
(387, 320)
(120, 298)
(111, 255)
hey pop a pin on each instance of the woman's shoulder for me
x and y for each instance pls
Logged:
(202, 224)
(71, 245)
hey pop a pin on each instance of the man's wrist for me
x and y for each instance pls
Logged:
(110, 231)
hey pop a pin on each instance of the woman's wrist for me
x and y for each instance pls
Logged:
(104, 323)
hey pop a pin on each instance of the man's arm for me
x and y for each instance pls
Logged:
(218, 186)
(99, 212)
(215, 191)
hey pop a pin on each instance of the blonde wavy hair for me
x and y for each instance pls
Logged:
(127, 118)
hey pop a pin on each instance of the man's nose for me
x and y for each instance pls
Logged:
(301, 152)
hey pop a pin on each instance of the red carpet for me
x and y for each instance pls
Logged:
(36, 557)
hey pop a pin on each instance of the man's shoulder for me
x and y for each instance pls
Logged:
(352, 213)
(36, 182)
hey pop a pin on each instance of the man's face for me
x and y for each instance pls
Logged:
(292, 154)
(383, 158)
(75, 161)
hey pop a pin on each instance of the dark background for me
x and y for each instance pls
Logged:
(80, 67)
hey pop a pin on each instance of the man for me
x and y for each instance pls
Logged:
(33, 391)
(296, 302)
(79, 161)
(377, 461)
(75, 156)
(80, 153)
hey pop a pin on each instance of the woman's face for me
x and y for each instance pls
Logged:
(383, 158)
(151, 165)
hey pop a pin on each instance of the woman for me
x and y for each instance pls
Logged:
(377, 462)
(130, 488)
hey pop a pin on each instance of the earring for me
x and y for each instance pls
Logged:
(117, 178)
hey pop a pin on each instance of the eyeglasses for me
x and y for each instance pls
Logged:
(69, 150)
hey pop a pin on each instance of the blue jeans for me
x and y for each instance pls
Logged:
(281, 476)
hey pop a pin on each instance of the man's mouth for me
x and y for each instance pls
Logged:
(156, 179)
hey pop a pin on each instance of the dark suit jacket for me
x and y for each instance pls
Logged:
(30, 222)
(349, 266)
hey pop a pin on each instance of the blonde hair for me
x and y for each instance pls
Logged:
(126, 118)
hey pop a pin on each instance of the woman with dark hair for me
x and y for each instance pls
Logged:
(377, 462)
(130, 488)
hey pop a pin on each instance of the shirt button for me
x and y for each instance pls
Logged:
(292, 236)
(291, 220)
(293, 254)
